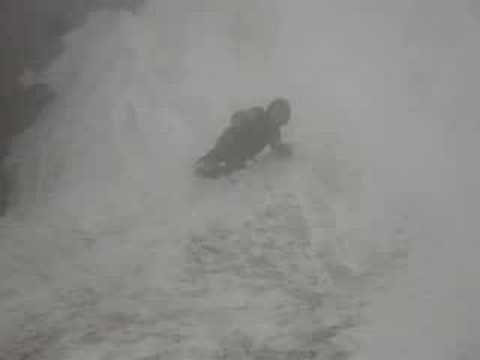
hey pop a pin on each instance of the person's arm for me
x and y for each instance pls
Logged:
(275, 140)
(278, 146)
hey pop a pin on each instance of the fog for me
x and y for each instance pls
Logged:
(362, 245)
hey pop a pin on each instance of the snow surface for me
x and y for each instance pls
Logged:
(363, 245)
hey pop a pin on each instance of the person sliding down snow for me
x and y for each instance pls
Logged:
(249, 132)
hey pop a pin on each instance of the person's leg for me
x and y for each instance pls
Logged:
(233, 165)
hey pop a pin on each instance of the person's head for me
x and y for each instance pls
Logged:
(279, 111)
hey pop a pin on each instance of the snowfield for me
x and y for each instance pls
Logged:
(362, 245)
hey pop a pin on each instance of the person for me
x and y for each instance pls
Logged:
(250, 131)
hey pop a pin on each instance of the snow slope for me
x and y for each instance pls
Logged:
(361, 245)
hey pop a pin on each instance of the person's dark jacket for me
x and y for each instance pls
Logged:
(250, 131)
